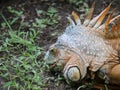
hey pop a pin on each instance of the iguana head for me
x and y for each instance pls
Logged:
(62, 58)
(57, 57)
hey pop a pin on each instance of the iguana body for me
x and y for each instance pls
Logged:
(86, 46)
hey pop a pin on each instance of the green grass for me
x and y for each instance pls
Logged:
(21, 63)
(21, 57)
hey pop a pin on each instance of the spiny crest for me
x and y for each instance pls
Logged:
(114, 32)
(87, 20)
(95, 23)
(76, 17)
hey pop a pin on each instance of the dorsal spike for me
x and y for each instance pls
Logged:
(76, 17)
(112, 20)
(113, 28)
(107, 22)
(99, 21)
(71, 21)
(114, 32)
(102, 27)
(118, 25)
(100, 17)
(87, 19)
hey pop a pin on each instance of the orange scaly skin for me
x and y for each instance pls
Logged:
(88, 46)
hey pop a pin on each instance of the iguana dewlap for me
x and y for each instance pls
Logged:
(91, 45)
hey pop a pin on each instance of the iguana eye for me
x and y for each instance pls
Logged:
(53, 52)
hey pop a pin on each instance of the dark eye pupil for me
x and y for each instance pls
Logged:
(52, 51)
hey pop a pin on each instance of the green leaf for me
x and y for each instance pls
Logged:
(7, 84)
(3, 24)
(52, 10)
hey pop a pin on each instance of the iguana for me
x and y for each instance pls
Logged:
(88, 48)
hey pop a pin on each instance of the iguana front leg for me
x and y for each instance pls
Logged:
(110, 72)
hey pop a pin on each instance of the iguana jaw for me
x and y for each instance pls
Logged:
(75, 69)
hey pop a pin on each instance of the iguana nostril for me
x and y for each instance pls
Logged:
(49, 58)
(74, 74)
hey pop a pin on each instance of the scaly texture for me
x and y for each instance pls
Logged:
(88, 46)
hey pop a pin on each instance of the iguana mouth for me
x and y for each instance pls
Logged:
(51, 62)
(53, 65)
